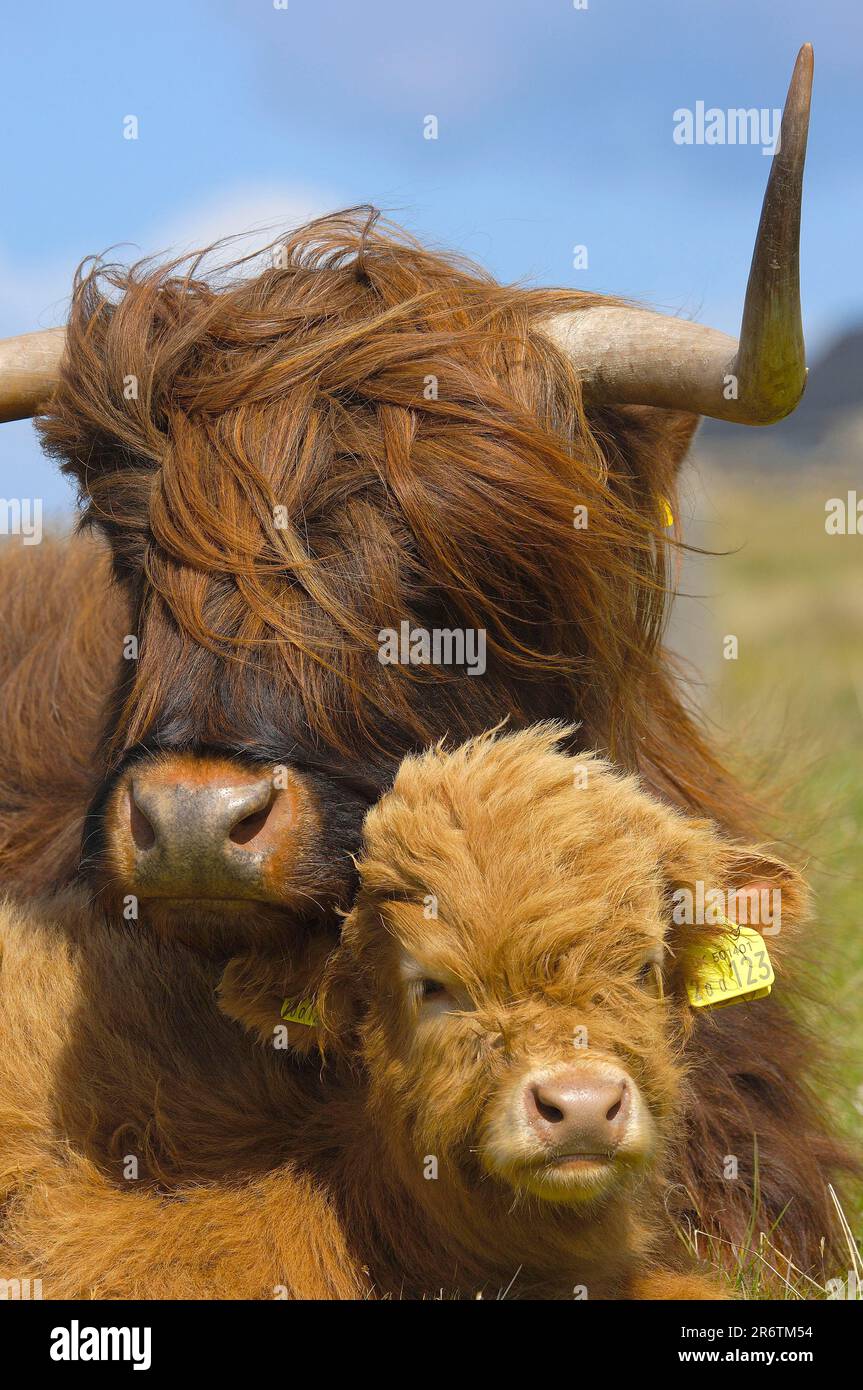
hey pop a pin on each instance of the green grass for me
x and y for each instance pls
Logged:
(791, 709)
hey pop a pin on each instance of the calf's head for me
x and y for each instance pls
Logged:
(517, 977)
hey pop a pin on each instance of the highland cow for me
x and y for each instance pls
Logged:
(504, 1025)
(286, 466)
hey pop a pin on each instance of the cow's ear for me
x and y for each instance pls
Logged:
(663, 436)
(250, 995)
(644, 448)
(765, 887)
(677, 430)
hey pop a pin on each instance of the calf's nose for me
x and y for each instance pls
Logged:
(579, 1111)
(202, 829)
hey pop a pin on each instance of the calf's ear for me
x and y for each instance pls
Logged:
(340, 998)
(768, 892)
(759, 888)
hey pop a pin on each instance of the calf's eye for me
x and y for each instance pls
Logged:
(650, 976)
(434, 997)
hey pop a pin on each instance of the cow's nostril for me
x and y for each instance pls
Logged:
(143, 834)
(246, 829)
(615, 1109)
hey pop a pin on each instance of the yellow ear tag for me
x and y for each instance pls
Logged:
(729, 969)
(300, 1011)
(667, 513)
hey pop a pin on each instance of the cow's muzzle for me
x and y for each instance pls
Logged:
(208, 829)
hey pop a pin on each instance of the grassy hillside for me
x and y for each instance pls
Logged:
(791, 708)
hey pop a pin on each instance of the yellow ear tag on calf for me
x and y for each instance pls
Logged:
(300, 1011)
(729, 969)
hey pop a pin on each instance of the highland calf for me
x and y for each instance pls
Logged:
(507, 1104)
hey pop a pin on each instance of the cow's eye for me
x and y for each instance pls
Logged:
(432, 989)
(435, 998)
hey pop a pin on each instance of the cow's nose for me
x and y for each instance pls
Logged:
(207, 829)
(214, 815)
(579, 1112)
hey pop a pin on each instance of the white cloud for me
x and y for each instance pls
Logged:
(253, 214)
(36, 294)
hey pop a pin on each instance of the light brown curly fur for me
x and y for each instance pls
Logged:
(548, 895)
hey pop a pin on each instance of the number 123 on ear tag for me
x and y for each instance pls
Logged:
(729, 969)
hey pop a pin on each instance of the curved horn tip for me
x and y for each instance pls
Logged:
(800, 86)
(803, 67)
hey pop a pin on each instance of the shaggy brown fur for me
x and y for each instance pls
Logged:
(304, 389)
(113, 1051)
(534, 939)
(63, 625)
(309, 388)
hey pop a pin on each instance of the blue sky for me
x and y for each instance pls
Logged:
(555, 128)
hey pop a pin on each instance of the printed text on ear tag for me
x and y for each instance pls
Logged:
(729, 969)
(300, 1011)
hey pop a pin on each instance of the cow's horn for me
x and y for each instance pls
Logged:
(624, 355)
(29, 367)
(632, 356)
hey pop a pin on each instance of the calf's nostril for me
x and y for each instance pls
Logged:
(615, 1109)
(552, 1114)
